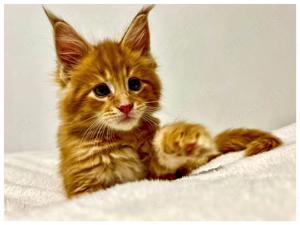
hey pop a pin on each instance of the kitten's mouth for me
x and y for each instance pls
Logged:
(127, 118)
(124, 122)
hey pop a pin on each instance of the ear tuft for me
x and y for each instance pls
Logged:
(52, 18)
(146, 9)
(70, 46)
(137, 36)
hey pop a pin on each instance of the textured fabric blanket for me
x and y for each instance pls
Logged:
(231, 187)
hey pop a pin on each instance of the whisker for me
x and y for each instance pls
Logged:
(72, 124)
(87, 133)
(150, 120)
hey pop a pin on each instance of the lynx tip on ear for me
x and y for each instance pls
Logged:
(146, 9)
(52, 18)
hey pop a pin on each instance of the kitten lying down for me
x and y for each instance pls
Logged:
(107, 133)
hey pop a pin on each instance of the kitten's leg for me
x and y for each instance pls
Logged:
(179, 149)
(100, 171)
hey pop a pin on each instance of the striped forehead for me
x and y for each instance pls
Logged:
(111, 63)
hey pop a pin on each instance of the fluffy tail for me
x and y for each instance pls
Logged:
(252, 140)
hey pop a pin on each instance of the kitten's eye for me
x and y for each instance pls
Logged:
(102, 90)
(134, 84)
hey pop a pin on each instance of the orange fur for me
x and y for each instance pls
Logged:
(180, 148)
(173, 159)
(107, 133)
(252, 140)
(100, 146)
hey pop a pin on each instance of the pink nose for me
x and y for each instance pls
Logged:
(126, 108)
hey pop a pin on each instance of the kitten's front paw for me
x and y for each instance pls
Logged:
(184, 146)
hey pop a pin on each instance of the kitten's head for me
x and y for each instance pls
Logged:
(113, 82)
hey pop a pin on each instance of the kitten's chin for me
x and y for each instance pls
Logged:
(124, 124)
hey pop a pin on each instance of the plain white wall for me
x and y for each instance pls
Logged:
(221, 65)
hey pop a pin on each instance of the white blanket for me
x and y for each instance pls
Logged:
(230, 187)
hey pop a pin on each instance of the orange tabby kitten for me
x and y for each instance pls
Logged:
(109, 92)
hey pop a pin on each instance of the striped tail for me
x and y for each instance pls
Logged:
(252, 140)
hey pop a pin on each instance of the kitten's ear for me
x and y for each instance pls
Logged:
(70, 46)
(137, 36)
